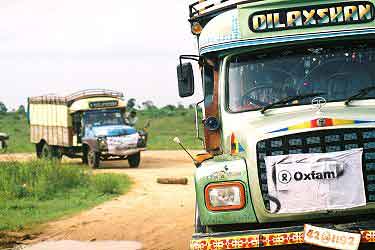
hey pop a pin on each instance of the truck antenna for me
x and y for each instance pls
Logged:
(178, 141)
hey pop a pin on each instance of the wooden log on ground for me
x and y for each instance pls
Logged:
(172, 180)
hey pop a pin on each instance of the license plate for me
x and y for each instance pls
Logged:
(329, 238)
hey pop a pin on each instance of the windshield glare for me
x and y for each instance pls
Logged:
(100, 118)
(255, 81)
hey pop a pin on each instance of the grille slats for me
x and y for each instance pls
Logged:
(321, 141)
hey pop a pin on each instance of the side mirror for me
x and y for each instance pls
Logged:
(185, 77)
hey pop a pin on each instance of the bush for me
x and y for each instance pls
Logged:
(42, 180)
(108, 184)
(38, 179)
(36, 192)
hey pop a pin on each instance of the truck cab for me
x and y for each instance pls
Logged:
(289, 123)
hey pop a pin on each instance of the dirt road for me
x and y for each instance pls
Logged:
(159, 216)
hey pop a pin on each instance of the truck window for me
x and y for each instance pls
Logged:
(97, 118)
(208, 84)
(340, 72)
(97, 121)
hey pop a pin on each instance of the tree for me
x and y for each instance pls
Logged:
(180, 106)
(21, 109)
(170, 107)
(148, 105)
(3, 108)
(131, 104)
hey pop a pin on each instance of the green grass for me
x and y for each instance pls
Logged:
(16, 126)
(36, 192)
(165, 125)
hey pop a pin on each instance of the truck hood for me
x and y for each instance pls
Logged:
(276, 123)
(115, 130)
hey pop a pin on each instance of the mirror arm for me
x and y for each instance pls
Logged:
(200, 59)
(188, 57)
(196, 120)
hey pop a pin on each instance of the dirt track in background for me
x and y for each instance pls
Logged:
(159, 216)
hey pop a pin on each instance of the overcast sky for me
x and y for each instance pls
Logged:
(51, 46)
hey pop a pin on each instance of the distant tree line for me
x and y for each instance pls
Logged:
(149, 108)
(145, 107)
(20, 110)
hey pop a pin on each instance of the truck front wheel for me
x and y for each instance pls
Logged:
(134, 160)
(93, 159)
(85, 159)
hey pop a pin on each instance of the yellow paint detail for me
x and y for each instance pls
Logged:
(300, 126)
(338, 122)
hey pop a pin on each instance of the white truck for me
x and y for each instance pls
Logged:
(89, 124)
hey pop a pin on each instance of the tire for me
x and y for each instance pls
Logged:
(46, 152)
(3, 146)
(93, 159)
(134, 160)
(38, 150)
(49, 152)
(85, 159)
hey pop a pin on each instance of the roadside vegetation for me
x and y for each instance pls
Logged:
(15, 125)
(165, 124)
(39, 191)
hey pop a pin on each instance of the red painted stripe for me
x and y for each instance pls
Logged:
(329, 122)
(314, 123)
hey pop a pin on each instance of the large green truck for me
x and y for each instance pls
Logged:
(289, 124)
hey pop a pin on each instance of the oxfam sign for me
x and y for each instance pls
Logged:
(285, 176)
(312, 16)
(289, 175)
(315, 181)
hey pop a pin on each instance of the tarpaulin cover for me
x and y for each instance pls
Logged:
(117, 145)
(315, 182)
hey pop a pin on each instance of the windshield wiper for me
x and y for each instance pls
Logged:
(361, 93)
(289, 99)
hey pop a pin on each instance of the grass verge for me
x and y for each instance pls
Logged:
(164, 127)
(35, 192)
(16, 126)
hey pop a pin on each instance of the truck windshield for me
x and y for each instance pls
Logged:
(97, 118)
(255, 81)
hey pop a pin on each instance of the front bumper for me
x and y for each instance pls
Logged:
(124, 152)
(276, 237)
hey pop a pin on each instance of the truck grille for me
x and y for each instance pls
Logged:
(322, 141)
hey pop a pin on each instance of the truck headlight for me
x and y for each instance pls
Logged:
(102, 143)
(225, 196)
